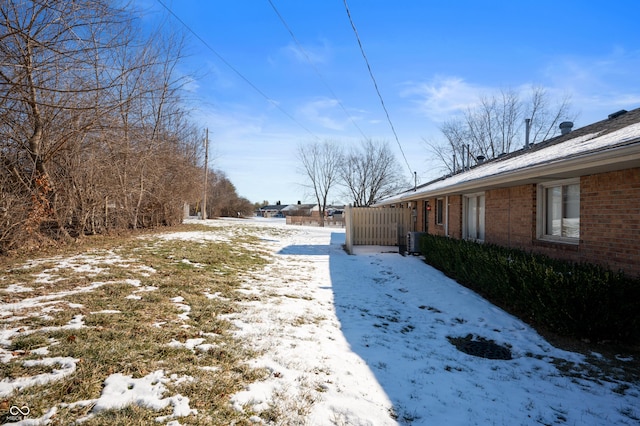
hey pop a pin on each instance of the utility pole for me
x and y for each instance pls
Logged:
(206, 171)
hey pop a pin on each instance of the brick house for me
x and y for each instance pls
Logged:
(574, 197)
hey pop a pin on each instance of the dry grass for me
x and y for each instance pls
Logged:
(129, 321)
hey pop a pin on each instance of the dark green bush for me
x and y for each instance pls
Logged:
(573, 299)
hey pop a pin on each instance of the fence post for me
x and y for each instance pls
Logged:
(348, 219)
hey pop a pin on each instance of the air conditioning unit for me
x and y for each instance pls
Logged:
(413, 242)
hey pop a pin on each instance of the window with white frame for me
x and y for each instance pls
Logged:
(559, 217)
(439, 211)
(473, 222)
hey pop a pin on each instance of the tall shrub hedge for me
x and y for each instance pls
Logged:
(574, 299)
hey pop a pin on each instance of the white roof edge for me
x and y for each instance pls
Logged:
(624, 154)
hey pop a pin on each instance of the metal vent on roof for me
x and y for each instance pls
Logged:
(565, 127)
(617, 114)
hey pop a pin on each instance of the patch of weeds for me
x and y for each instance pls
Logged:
(129, 343)
(535, 356)
(28, 342)
(298, 296)
(37, 320)
(393, 414)
(598, 369)
(407, 329)
(621, 388)
(15, 369)
(129, 415)
(304, 319)
(631, 413)
(560, 413)
(403, 416)
(430, 309)
(289, 408)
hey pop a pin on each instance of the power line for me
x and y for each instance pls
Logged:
(295, 39)
(375, 84)
(238, 73)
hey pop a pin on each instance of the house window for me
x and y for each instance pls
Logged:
(473, 225)
(439, 211)
(560, 212)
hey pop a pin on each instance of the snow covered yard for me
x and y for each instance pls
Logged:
(333, 339)
(369, 334)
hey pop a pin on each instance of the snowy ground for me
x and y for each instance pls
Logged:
(364, 340)
(368, 333)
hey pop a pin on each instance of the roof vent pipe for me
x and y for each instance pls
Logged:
(462, 158)
(565, 127)
(527, 127)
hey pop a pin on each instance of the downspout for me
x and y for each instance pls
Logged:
(509, 217)
(446, 216)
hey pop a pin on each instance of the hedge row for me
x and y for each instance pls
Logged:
(573, 299)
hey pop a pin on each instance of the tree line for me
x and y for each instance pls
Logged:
(93, 132)
(366, 173)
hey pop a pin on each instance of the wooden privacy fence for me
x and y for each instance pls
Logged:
(314, 221)
(381, 226)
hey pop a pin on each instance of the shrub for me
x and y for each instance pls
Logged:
(573, 299)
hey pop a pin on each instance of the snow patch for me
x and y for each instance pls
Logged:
(121, 391)
(67, 367)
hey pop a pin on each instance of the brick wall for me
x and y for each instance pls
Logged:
(434, 228)
(497, 217)
(610, 219)
(510, 216)
(420, 217)
(455, 216)
(454, 219)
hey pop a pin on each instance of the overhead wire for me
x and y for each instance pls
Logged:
(235, 70)
(304, 52)
(375, 84)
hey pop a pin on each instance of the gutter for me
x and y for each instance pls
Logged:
(618, 158)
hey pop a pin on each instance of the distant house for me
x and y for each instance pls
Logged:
(574, 197)
(298, 209)
(329, 210)
(271, 211)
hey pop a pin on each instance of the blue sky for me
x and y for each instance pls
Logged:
(430, 59)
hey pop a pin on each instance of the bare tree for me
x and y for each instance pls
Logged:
(495, 126)
(371, 172)
(49, 57)
(92, 133)
(320, 164)
(491, 126)
(545, 118)
(225, 201)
